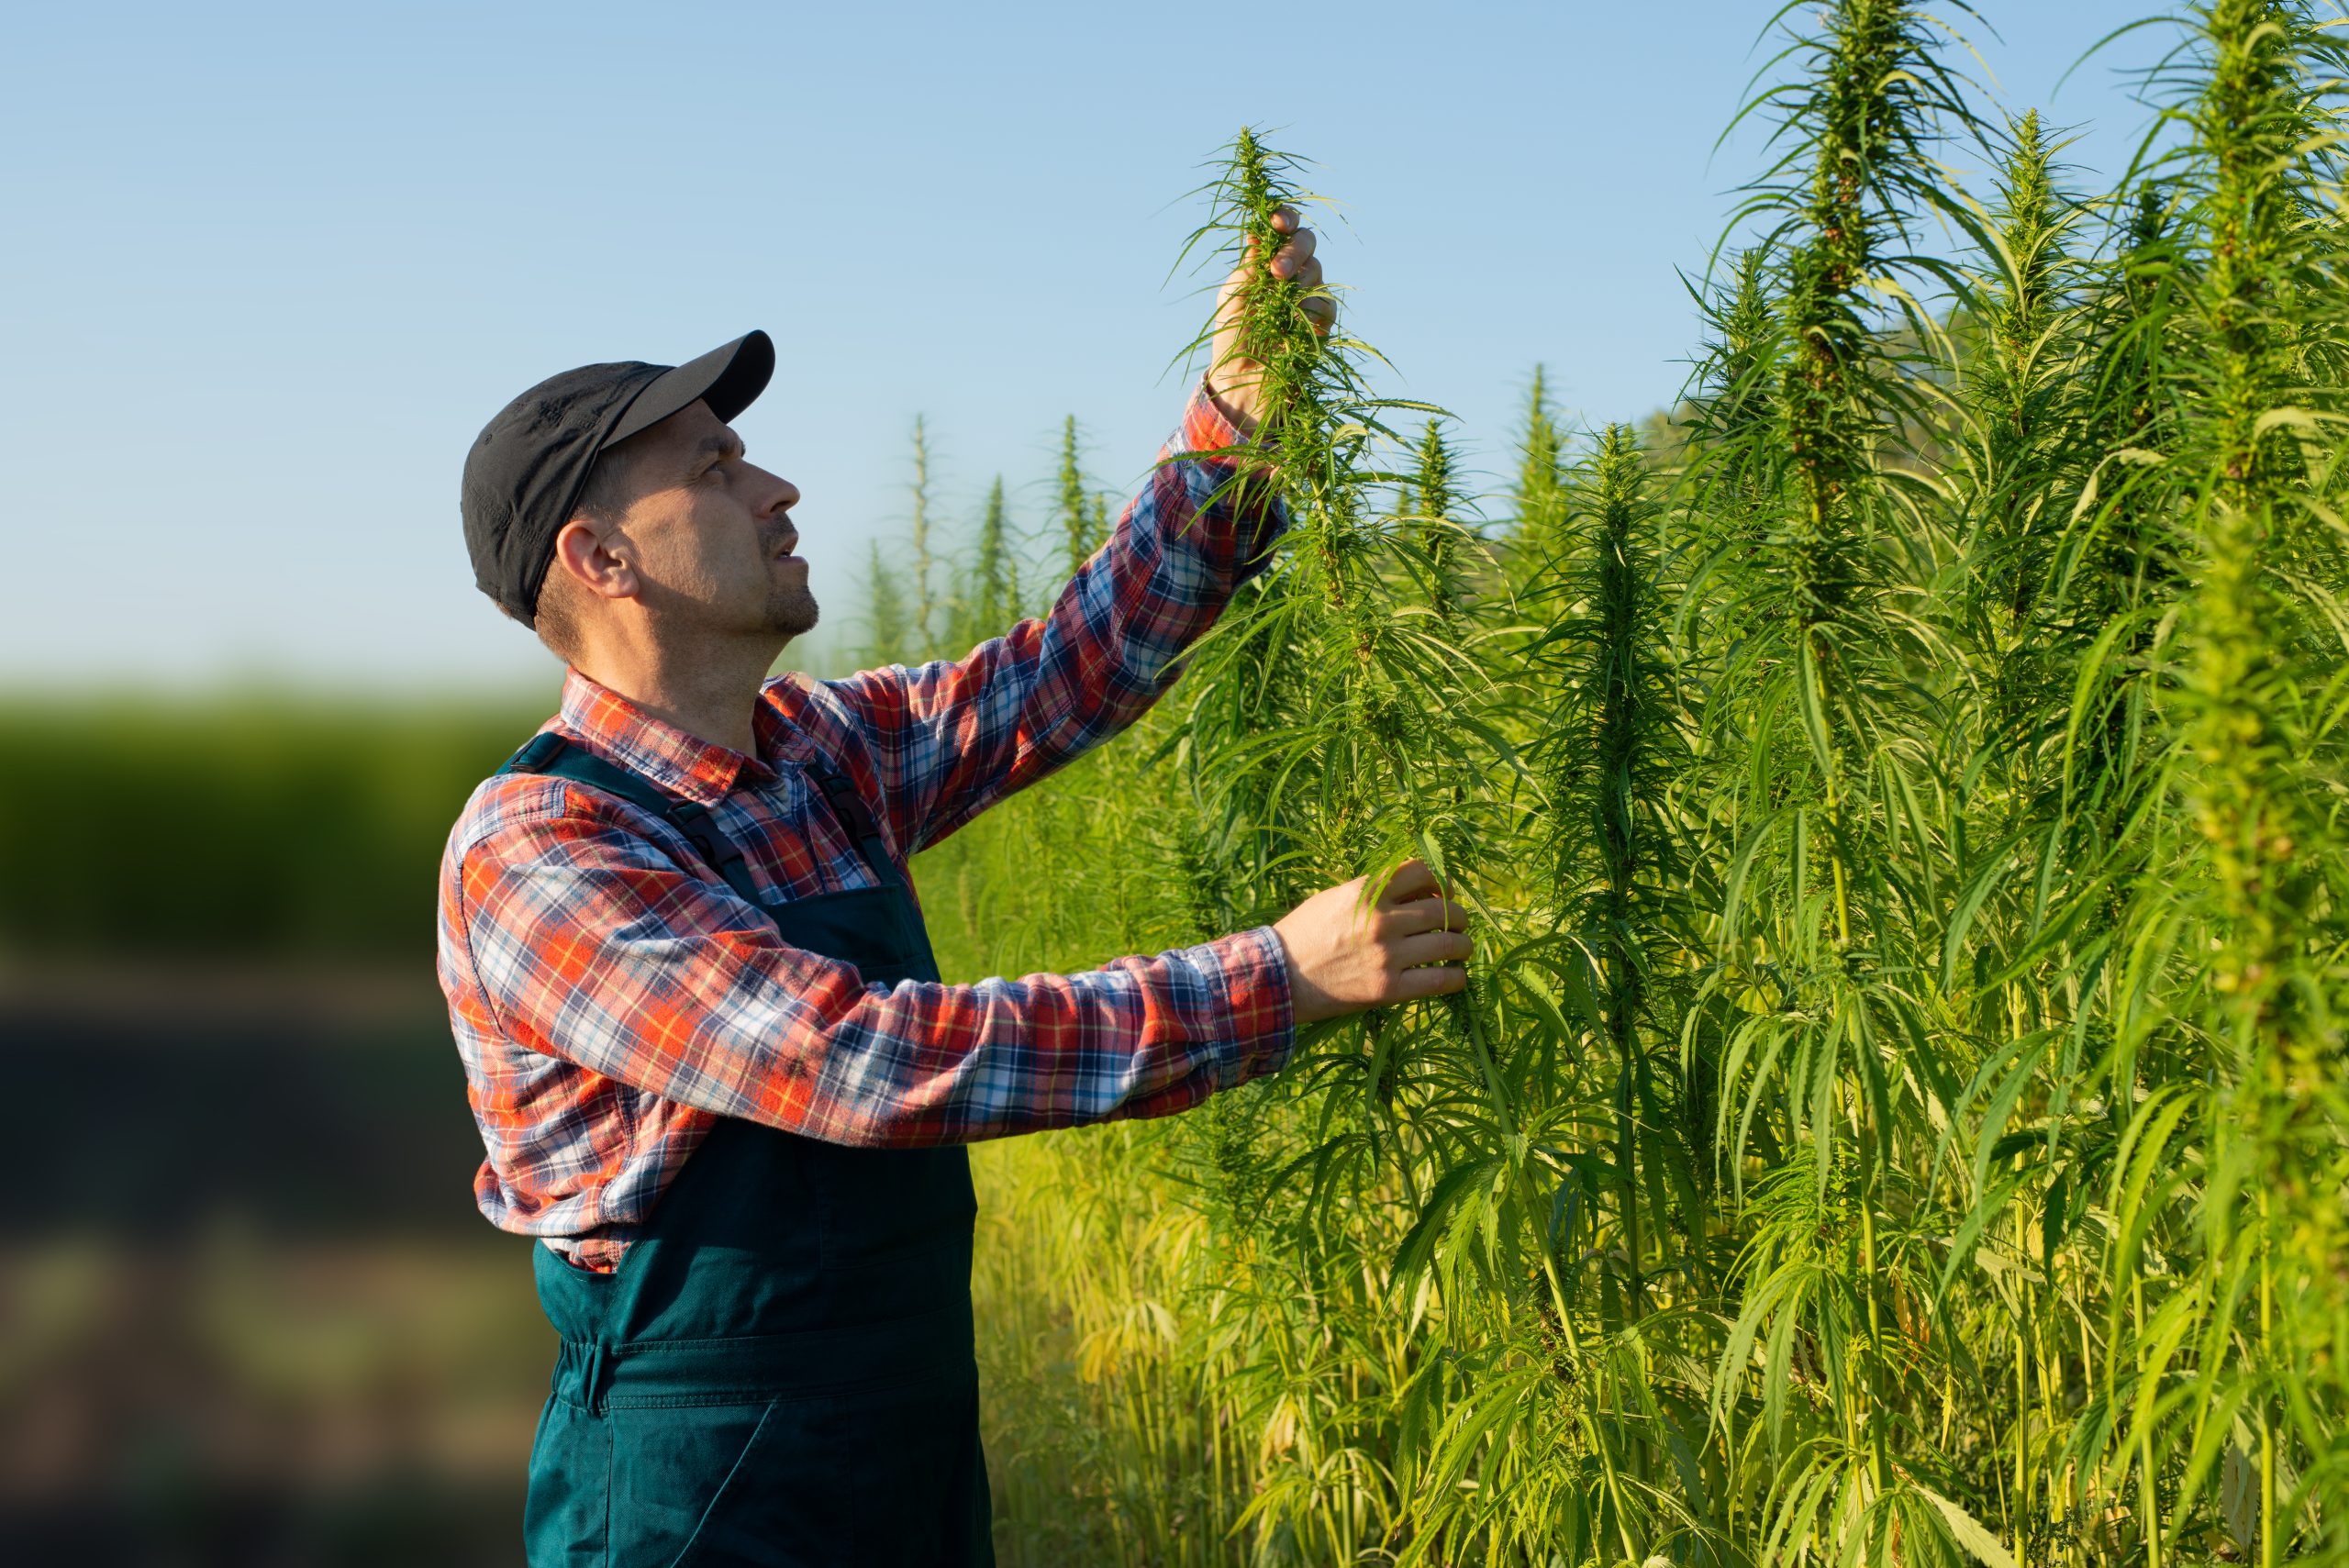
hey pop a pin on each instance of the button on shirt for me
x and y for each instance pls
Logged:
(612, 996)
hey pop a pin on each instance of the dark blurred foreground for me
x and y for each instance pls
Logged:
(248, 1313)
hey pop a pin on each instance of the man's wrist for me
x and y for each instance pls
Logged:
(1241, 418)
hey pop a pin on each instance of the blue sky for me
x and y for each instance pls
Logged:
(270, 268)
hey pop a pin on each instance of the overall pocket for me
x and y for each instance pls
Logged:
(673, 1466)
(887, 1477)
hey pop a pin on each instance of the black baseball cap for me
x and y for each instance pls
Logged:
(526, 469)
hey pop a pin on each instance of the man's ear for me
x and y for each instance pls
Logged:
(597, 560)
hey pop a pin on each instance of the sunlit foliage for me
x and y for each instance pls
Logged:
(1900, 1112)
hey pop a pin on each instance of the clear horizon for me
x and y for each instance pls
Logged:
(276, 266)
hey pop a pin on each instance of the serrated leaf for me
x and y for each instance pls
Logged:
(1968, 1531)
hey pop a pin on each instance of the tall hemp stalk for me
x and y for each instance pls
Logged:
(1333, 792)
(1816, 945)
(2093, 906)
(1082, 517)
(1631, 1227)
(2258, 775)
(990, 600)
(887, 627)
(1631, 735)
(1538, 508)
(925, 610)
(2021, 459)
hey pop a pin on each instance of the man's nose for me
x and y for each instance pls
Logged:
(778, 493)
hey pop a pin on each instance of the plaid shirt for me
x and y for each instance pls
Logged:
(611, 997)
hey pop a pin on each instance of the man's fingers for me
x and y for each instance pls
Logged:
(1309, 277)
(1285, 221)
(1436, 979)
(1434, 913)
(1430, 947)
(1295, 255)
(1411, 879)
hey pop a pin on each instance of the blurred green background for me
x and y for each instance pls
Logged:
(248, 1312)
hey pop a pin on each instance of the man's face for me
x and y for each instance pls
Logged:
(713, 536)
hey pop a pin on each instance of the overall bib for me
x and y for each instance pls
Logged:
(780, 1371)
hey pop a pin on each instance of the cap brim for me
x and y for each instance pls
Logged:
(729, 378)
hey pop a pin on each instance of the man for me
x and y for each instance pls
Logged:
(715, 1070)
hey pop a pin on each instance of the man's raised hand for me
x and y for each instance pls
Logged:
(1230, 373)
(1347, 952)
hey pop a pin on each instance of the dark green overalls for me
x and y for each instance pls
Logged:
(780, 1371)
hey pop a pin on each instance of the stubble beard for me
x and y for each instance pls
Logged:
(791, 610)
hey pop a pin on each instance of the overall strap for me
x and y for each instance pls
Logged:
(850, 810)
(550, 755)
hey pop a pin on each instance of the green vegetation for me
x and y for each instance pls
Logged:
(1900, 1113)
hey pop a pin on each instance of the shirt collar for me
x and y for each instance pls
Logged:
(681, 763)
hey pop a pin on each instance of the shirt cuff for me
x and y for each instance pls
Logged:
(1206, 429)
(1262, 1014)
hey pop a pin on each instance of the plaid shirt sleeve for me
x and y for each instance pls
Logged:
(592, 946)
(953, 737)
